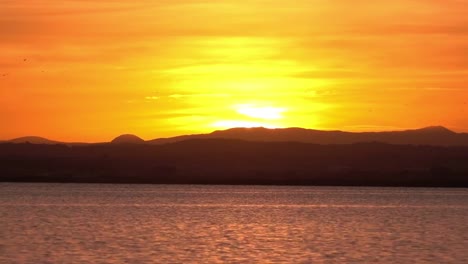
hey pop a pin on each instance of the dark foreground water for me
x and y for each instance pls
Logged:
(81, 223)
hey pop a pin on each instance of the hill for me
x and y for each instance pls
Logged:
(127, 139)
(432, 136)
(34, 140)
(435, 135)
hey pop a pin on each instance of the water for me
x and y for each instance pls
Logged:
(81, 223)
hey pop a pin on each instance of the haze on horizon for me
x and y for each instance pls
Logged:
(88, 71)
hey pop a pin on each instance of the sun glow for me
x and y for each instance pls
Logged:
(247, 124)
(254, 116)
(269, 113)
(272, 66)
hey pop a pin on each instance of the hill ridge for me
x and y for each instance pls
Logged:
(432, 135)
(127, 139)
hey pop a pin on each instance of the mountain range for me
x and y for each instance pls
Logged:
(431, 156)
(233, 161)
(434, 135)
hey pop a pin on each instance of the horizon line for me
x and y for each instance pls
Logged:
(232, 128)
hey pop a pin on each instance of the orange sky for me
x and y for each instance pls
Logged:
(86, 70)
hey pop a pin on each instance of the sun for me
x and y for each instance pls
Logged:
(252, 115)
(224, 124)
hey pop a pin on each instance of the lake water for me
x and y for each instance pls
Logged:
(85, 223)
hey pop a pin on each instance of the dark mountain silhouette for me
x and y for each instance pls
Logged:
(435, 135)
(34, 140)
(41, 141)
(127, 139)
(232, 161)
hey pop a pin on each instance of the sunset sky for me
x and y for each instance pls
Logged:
(87, 70)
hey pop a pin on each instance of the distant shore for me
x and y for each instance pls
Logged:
(235, 162)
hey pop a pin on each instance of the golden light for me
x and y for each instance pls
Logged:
(254, 116)
(225, 124)
(271, 68)
(269, 112)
